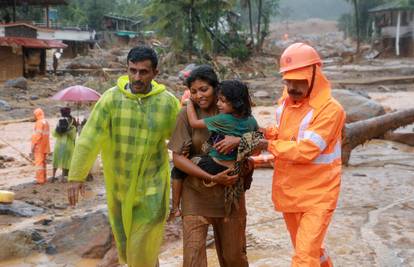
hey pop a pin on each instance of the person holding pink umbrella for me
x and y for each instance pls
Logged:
(65, 135)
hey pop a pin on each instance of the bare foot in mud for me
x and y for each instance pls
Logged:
(174, 214)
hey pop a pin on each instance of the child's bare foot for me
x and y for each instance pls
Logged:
(174, 213)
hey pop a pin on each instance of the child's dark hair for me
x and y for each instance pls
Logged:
(237, 93)
(141, 53)
(204, 73)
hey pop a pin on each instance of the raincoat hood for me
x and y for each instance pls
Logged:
(321, 91)
(39, 114)
(124, 80)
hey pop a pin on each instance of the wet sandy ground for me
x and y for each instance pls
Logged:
(373, 224)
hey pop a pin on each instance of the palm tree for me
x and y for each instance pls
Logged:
(187, 21)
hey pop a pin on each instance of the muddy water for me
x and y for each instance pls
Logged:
(42, 260)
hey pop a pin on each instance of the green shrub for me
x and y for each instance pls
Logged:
(240, 51)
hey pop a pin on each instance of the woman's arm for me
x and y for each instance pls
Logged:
(187, 166)
(192, 117)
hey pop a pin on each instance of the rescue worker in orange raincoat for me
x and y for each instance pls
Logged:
(40, 145)
(306, 144)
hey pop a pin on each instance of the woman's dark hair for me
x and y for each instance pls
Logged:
(204, 73)
(141, 53)
(237, 93)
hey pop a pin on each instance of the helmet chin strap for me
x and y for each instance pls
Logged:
(313, 80)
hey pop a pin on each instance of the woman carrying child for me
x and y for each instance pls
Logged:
(203, 203)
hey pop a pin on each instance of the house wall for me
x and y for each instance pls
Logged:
(72, 35)
(74, 49)
(387, 22)
(11, 65)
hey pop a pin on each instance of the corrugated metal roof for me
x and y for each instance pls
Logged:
(392, 5)
(14, 24)
(130, 34)
(30, 42)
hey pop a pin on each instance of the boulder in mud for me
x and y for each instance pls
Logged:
(357, 106)
(87, 63)
(110, 259)
(18, 243)
(89, 235)
(20, 209)
(20, 82)
(98, 246)
(4, 105)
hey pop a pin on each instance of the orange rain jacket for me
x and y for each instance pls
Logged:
(40, 137)
(306, 143)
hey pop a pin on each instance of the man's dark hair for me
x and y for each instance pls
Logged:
(204, 73)
(237, 93)
(141, 53)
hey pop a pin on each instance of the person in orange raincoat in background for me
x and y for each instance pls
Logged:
(40, 145)
(306, 144)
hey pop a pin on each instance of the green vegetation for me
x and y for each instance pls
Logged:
(202, 27)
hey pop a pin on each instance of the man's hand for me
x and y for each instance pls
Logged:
(227, 144)
(74, 188)
(224, 178)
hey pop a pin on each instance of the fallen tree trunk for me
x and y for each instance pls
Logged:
(404, 138)
(359, 132)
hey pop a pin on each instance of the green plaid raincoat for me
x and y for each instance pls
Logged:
(131, 130)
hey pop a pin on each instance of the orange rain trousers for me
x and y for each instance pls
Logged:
(40, 166)
(307, 231)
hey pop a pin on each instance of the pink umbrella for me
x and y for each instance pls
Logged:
(77, 93)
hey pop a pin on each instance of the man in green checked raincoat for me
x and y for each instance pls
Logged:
(129, 125)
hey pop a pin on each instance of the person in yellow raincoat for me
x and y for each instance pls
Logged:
(40, 145)
(65, 136)
(306, 144)
(129, 125)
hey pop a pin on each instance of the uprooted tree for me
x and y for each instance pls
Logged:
(359, 132)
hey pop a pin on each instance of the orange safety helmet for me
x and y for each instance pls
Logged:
(298, 55)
